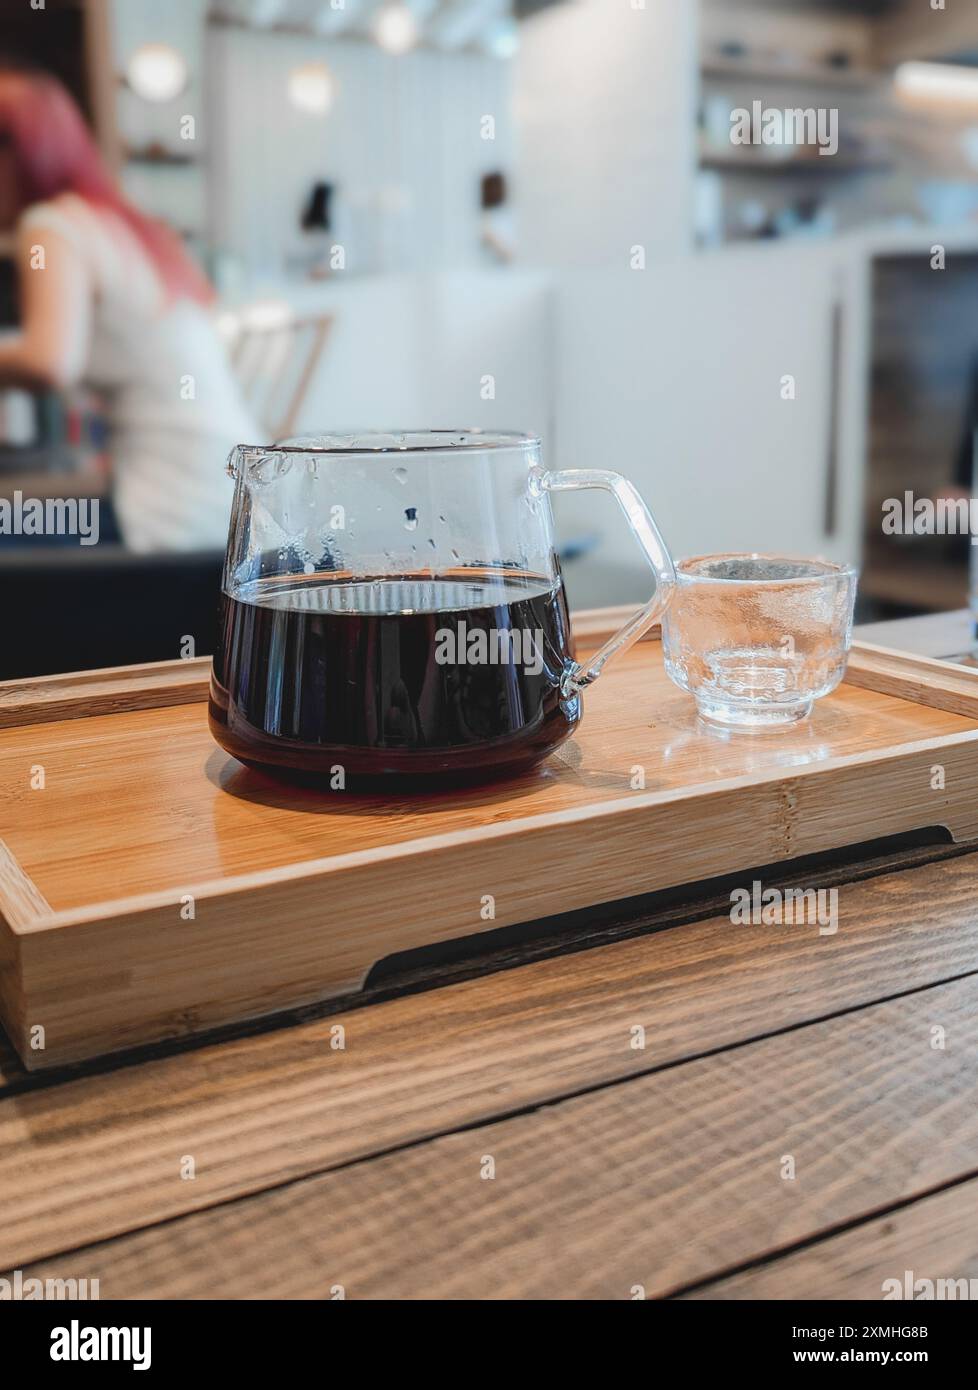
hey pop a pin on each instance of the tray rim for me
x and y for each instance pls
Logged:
(946, 685)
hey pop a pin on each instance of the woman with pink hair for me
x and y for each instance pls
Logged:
(111, 299)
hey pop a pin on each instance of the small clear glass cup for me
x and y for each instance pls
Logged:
(757, 639)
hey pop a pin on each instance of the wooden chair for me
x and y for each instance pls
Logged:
(274, 354)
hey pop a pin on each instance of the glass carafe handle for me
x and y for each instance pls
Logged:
(580, 674)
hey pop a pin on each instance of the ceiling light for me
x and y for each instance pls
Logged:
(157, 72)
(311, 88)
(395, 29)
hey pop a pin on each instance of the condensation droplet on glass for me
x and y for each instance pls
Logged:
(440, 517)
(401, 474)
(432, 544)
(308, 568)
(456, 555)
(410, 518)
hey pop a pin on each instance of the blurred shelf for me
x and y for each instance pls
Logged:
(823, 165)
(809, 75)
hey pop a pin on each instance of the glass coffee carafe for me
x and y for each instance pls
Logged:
(393, 610)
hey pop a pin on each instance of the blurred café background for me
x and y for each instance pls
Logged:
(530, 215)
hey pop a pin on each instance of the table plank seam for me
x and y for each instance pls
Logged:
(818, 1238)
(558, 1098)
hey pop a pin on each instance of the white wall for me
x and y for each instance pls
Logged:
(673, 374)
(402, 141)
(674, 378)
(412, 351)
(605, 107)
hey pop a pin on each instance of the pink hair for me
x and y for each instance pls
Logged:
(54, 153)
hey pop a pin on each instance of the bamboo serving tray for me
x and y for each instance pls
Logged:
(153, 887)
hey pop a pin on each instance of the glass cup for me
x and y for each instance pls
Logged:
(757, 639)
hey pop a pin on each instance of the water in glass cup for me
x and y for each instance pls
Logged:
(756, 639)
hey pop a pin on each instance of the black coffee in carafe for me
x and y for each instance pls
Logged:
(431, 678)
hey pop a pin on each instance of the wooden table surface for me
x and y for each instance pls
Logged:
(639, 1100)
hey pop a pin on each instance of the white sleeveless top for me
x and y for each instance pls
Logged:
(174, 407)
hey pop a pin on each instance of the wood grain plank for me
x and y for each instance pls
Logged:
(23, 902)
(12, 1071)
(938, 684)
(99, 1155)
(651, 1184)
(935, 1238)
(592, 626)
(109, 690)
